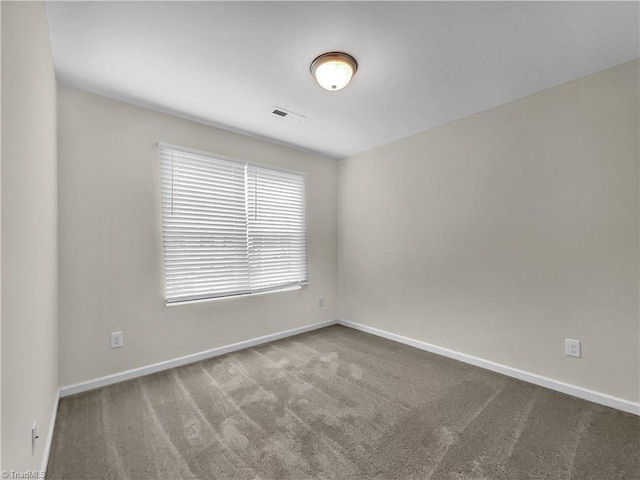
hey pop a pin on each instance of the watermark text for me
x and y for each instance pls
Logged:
(22, 474)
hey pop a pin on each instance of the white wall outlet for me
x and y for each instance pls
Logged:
(34, 437)
(321, 301)
(572, 348)
(117, 340)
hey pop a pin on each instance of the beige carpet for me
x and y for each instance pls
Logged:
(338, 403)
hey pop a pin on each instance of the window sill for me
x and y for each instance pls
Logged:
(232, 297)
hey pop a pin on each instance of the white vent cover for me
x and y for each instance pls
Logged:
(287, 114)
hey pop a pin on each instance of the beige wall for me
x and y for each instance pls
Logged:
(0, 238)
(502, 234)
(111, 275)
(29, 225)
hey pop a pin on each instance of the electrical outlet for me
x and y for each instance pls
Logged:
(572, 347)
(321, 301)
(34, 437)
(117, 339)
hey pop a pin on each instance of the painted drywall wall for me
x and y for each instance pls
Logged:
(110, 255)
(502, 234)
(29, 234)
(0, 239)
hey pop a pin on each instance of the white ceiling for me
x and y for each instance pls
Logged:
(421, 64)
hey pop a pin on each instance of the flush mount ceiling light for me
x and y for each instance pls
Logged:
(333, 70)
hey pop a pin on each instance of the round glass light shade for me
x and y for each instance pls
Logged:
(333, 71)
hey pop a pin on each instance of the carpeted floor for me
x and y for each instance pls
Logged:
(338, 403)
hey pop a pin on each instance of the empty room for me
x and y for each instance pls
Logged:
(320, 240)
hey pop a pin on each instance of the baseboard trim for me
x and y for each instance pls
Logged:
(570, 389)
(177, 362)
(574, 390)
(49, 439)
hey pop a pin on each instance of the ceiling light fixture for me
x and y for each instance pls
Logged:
(333, 70)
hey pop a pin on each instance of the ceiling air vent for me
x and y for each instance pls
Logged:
(288, 114)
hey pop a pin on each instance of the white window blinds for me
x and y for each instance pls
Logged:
(276, 228)
(229, 228)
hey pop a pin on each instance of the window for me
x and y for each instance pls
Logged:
(229, 227)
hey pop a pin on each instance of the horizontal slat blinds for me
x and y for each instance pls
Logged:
(276, 228)
(204, 226)
(229, 228)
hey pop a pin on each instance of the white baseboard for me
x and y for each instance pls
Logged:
(569, 389)
(49, 439)
(176, 362)
(574, 390)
